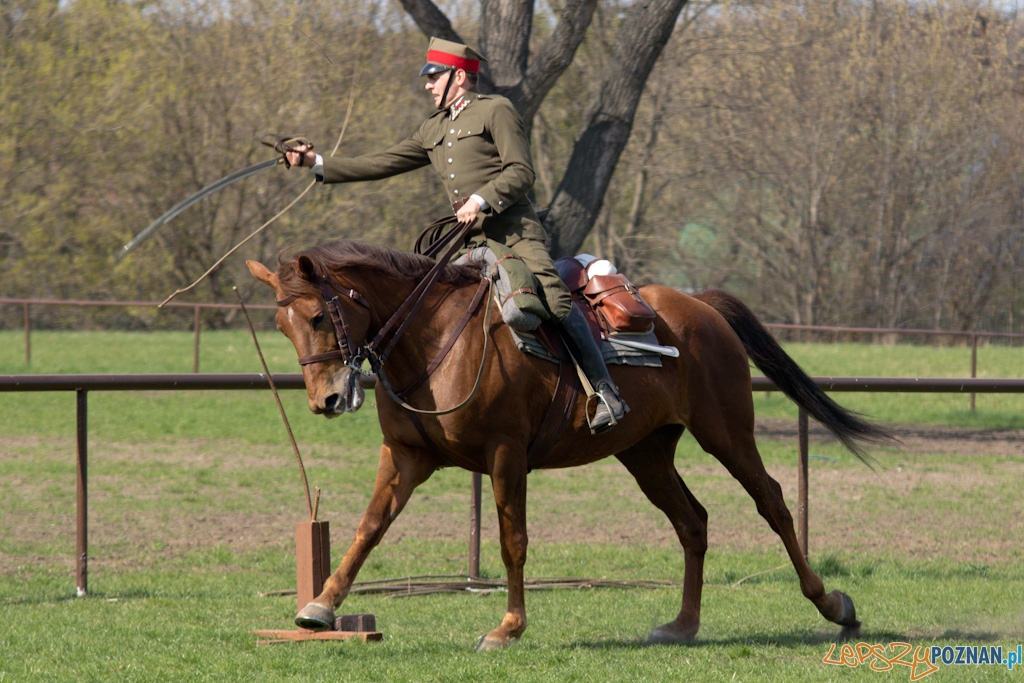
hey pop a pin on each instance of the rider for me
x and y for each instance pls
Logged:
(478, 146)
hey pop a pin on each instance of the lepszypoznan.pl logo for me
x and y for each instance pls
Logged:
(921, 660)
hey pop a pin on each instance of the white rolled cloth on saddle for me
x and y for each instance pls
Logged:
(518, 289)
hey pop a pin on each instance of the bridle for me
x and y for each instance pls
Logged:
(346, 352)
(380, 347)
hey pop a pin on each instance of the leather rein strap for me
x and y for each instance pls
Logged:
(481, 289)
(415, 300)
(485, 286)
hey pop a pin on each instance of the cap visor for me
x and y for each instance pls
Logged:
(433, 69)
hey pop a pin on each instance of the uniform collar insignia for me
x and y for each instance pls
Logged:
(457, 108)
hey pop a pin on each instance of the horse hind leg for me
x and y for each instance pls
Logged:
(651, 463)
(744, 463)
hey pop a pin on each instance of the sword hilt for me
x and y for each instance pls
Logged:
(285, 143)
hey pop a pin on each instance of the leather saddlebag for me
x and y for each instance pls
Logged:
(619, 306)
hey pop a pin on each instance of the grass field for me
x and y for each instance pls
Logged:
(194, 498)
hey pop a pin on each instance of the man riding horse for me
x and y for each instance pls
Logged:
(478, 146)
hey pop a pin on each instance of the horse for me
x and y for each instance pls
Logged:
(484, 402)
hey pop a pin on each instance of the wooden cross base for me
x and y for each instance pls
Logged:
(273, 637)
(270, 636)
(313, 567)
(346, 627)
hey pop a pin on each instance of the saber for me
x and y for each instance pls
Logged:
(198, 196)
(280, 143)
(669, 351)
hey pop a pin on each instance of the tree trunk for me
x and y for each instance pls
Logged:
(639, 43)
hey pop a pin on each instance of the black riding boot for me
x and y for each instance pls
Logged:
(610, 408)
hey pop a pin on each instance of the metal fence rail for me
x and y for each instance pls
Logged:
(82, 384)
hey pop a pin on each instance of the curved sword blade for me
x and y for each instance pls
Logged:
(198, 196)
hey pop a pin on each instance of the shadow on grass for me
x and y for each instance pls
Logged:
(796, 640)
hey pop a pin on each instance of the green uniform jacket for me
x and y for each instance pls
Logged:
(483, 151)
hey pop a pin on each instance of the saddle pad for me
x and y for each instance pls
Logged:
(529, 343)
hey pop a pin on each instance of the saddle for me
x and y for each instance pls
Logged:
(611, 304)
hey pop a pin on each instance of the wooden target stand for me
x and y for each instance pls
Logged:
(312, 549)
(312, 569)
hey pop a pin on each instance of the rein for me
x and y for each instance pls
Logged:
(400, 320)
(485, 286)
(412, 304)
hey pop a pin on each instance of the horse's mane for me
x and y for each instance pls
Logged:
(333, 257)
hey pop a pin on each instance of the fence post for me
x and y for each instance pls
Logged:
(28, 337)
(802, 481)
(474, 527)
(195, 344)
(82, 521)
(974, 364)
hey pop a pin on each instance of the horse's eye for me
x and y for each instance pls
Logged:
(317, 319)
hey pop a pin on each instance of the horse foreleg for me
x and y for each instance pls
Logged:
(399, 472)
(508, 479)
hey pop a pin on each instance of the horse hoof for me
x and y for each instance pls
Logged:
(848, 613)
(487, 643)
(665, 636)
(315, 617)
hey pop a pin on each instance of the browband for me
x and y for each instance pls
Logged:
(351, 294)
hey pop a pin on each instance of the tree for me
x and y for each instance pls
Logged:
(861, 162)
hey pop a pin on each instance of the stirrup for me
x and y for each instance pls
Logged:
(603, 426)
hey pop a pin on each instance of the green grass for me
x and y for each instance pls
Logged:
(193, 498)
(193, 623)
(143, 352)
(171, 600)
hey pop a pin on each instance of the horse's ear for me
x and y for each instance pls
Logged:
(263, 274)
(306, 267)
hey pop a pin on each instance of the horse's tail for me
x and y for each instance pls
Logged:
(851, 429)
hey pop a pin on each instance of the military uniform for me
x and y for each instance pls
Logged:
(477, 146)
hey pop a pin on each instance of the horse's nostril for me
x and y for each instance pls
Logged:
(331, 402)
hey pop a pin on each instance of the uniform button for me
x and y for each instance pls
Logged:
(449, 144)
(451, 175)
(455, 191)
(449, 161)
(451, 132)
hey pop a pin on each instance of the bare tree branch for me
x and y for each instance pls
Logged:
(606, 130)
(554, 57)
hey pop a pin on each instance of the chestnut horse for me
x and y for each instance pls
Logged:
(706, 390)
